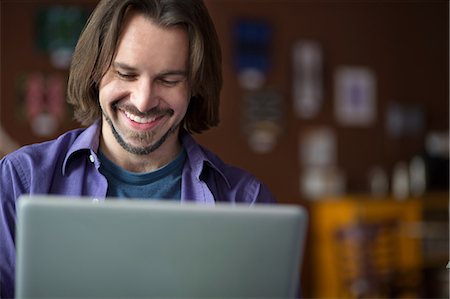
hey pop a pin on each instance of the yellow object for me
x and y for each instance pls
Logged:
(365, 247)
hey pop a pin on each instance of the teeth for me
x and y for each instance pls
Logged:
(141, 120)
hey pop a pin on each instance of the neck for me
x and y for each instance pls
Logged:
(141, 163)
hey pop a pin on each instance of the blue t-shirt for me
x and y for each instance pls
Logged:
(163, 183)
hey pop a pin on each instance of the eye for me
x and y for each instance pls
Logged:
(169, 83)
(125, 76)
(171, 78)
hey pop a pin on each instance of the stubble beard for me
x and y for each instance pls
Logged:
(142, 137)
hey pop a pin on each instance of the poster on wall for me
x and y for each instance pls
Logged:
(41, 102)
(355, 96)
(252, 40)
(405, 119)
(318, 147)
(307, 85)
(320, 175)
(263, 116)
(57, 30)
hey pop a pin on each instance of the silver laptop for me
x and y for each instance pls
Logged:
(78, 248)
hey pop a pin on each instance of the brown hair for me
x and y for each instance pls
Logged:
(97, 46)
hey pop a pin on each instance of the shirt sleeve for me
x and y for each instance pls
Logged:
(11, 187)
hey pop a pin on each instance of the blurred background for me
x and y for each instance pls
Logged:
(338, 106)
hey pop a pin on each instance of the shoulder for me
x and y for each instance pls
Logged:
(37, 160)
(243, 185)
(226, 182)
(39, 153)
(31, 167)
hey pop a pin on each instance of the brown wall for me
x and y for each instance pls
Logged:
(404, 42)
(20, 56)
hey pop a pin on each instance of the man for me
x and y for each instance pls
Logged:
(144, 76)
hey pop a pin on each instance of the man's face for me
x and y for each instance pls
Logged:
(145, 93)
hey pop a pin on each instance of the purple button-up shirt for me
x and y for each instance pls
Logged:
(69, 166)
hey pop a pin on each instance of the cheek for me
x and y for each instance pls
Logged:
(181, 103)
(176, 98)
(110, 92)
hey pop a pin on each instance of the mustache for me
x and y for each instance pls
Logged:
(156, 111)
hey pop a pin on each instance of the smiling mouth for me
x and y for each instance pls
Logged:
(142, 119)
(139, 119)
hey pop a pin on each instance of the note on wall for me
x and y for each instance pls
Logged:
(57, 30)
(355, 96)
(307, 85)
(252, 40)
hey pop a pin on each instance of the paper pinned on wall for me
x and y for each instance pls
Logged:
(57, 30)
(404, 119)
(41, 102)
(252, 60)
(307, 78)
(355, 96)
(318, 147)
(263, 116)
(320, 175)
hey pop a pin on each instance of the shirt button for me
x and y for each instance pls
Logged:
(91, 158)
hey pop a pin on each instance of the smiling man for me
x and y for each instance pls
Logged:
(144, 95)
(145, 75)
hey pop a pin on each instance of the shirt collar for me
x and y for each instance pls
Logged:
(87, 141)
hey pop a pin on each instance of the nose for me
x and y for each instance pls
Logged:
(144, 96)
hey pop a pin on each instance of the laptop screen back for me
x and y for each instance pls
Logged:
(77, 248)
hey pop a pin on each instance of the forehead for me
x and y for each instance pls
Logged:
(141, 38)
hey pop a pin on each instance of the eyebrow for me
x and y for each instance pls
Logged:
(123, 66)
(126, 67)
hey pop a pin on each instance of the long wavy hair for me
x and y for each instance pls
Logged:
(97, 47)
